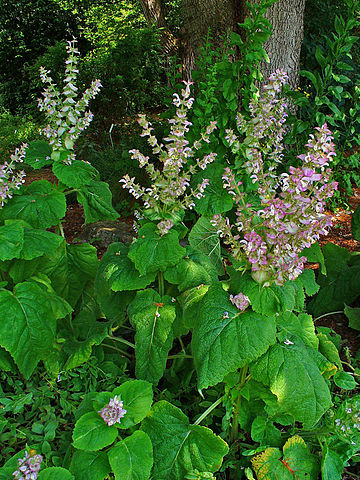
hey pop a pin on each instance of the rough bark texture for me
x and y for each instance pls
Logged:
(284, 45)
(200, 16)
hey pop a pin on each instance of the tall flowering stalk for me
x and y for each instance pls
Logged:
(66, 114)
(29, 467)
(171, 192)
(10, 178)
(269, 239)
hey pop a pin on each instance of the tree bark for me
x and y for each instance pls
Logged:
(284, 45)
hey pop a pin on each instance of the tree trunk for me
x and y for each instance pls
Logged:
(284, 45)
(201, 16)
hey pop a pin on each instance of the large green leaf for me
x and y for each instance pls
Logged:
(120, 272)
(193, 270)
(28, 325)
(225, 339)
(40, 204)
(55, 473)
(204, 238)
(216, 198)
(152, 252)
(91, 433)
(267, 300)
(180, 448)
(353, 315)
(97, 201)
(37, 155)
(75, 175)
(27, 330)
(137, 396)
(292, 374)
(332, 466)
(90, 465)
(153, 318)
(11, 241)
(132, 458)
(297, 462)
(301, 326)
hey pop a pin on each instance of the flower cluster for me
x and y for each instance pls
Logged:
(10, 178)
(240, 301)
(347, 420)
(171, 191)
(113, 411)
(29, 467)
(291, 216)
(66, 115)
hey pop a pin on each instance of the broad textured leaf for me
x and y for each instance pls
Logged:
(297, 462)
(266, 300)
(190, 301)
(355, 224)
(332, 466)
(353, 315)
(75, 175)
(40, 204)
(82, 269)
(307, 280)
(302, 326)
(294, 377)
(264, 432)
(204, 238)
(225, 339)
(179, 447)
(315, 255)
(37, 155)
(6, 362)
(29, 323)
(216, 198)
(154, 333)
(11, 241)
(132, 458)
(193, 270)
(92, 433)
(137, 396)
(113, 304)
(345, 381)
(90, 465)
(55, 473)
(97, 201)
(328, 349)
(119, 271)
(151, 252)
(39, 242)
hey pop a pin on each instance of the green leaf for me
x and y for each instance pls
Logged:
(203, 238)
(328, 349)
(29, 323)
(344, 381)
(92, 433)
(82, 269)
(55, 473)
(37, 155)
(190, 301)
(307, 279)
(39, 242)
(119, 271)
(264, 432)
(40, 204)
(137, 396)
(151, 252)
(132, 458)
(294, 377)
(216, 198)
(179, 447)
(90, 465)
(75, 175)
(97, 201)
(193, 270)
(6, 362)
(301, 326)
(315, 255)
(265, 300)
(332, 466)
(11, 241)
(153, 318)
(353, 314)
(225, 339)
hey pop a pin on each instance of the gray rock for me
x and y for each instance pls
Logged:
(103, 233)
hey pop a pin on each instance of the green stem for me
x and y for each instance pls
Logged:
(161, 284)
(61, 230)
(172, 357)
(207, 411)
(235, 425)
(117, 350)
(121, 340)
(328, 314)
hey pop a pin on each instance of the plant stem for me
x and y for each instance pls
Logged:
(117, 349)
(121, 340)
(161, 284)
(235, 425)
(172, 357)
(328, 314)
(207, 411)
(61, 230)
